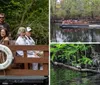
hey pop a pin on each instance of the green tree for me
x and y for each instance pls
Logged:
(71, 54)
(75, 8)
(33, 13)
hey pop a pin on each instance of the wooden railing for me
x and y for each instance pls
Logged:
(25, 61)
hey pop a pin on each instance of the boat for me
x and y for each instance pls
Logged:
(15, 69)
(74, 26)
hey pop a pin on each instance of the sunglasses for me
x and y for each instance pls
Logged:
(1, 17)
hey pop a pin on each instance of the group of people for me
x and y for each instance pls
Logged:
(4, 29)
(70, 21)
(24, 38)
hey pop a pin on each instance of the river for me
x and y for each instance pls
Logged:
(74, 35)
(63, 76)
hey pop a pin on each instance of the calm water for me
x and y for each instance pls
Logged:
(74, 35)
(61, 76)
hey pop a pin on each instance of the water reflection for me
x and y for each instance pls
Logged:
(61, 76)
(74, 35)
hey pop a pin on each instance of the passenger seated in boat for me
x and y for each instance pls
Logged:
(30, 41)
(4, 36)
(4, 40)
(28, 37)
(21, 40)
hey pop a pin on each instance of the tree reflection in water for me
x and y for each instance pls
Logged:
(61, 76)
(74, 35)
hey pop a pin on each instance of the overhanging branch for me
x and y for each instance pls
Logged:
(74, 68)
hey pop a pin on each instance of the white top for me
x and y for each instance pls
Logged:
(20, 41)
(29, 41)
(23, 41)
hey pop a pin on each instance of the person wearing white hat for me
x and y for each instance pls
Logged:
(30, 41)
(28, 37)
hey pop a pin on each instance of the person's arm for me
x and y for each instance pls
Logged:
(6, 39)
(19, 52)
(33, 42)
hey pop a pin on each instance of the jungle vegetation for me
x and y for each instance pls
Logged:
(33, 13)
(75, 9)
(74, 54)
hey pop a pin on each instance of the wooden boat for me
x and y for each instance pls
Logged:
(17, 74)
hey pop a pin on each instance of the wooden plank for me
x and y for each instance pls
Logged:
(30, 60)
(45, 67)
(25, 56)
(29, 47)
(21, 72)
(46, 54)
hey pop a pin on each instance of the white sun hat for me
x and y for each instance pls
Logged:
(28, 29)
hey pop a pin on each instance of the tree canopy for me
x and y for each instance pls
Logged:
(75, 8)
(33, 13)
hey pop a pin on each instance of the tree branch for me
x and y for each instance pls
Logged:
(75, 68)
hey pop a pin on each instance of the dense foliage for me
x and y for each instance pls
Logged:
(33, 13)
(75, 8)
(61, 76)
(71, 54)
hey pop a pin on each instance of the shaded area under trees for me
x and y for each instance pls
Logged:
(33, 13)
